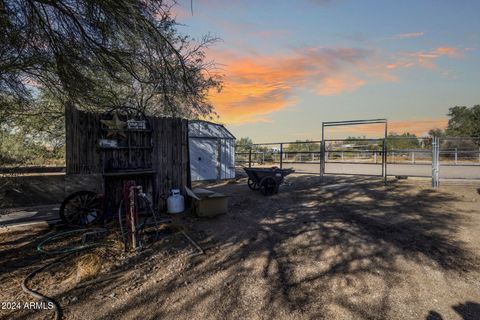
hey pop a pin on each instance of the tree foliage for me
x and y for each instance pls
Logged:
(303, 146)
(102, 53)
(243, 144)
(403, 141)
(436, 132)
(96, 54)
(464, 121)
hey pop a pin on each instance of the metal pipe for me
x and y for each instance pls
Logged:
(435, 161)
(386, 146)
(250, 158)
(281, 155)
(322, 152)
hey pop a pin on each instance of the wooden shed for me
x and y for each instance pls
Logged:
(101, 154)
(212, 151)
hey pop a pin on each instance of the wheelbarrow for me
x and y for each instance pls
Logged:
(267, 180)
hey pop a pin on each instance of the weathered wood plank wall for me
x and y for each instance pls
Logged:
(169, 156)
(82, 133)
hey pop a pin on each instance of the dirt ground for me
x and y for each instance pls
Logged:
(341, 248)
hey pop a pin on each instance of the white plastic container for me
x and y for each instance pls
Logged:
(175, 202)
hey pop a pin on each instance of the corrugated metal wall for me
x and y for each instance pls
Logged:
(212, 152)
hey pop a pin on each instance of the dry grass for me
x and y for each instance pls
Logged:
(344, 249)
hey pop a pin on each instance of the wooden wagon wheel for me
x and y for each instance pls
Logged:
(253, 185)
(268, 186)
(81, 208)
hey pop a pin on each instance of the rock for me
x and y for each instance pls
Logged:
(112, 295)
(73, 299)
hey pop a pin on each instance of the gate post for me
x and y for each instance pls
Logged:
(250, 157)
(383, 158)
(322, 152)
(385, 162)
(435, 161)
(322, 158)
(281, 155)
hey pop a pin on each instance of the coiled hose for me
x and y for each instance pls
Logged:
(66, 252)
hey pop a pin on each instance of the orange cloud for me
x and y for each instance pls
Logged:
(257, 85)
(419, 127)
(448, 51)
(333, 86)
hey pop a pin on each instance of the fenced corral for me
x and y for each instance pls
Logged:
(459, 150)
(377, 144)
(155, 156)
(285, 154)
(458, 157)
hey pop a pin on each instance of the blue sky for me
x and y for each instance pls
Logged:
(289, 65)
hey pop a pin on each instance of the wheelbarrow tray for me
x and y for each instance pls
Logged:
(256, 174)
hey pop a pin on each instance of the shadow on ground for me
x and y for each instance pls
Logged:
(467, 311)
(318, 249)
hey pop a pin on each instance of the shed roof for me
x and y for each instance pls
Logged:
(207, 129)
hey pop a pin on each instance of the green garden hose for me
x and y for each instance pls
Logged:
(66, 252)
(60, 235)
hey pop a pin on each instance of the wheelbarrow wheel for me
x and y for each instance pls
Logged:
(268, 186)
(253, 185)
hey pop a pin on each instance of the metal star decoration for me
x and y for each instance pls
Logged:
(116, 125)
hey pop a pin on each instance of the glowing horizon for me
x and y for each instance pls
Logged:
(281, 80)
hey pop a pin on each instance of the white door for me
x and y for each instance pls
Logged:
(204, 159)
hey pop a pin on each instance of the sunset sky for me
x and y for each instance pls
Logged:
(289, 65)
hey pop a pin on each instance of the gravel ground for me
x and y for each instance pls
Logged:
(341, 248)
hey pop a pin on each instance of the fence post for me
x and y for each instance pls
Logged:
(322, 158)
(281, 155)
(435, 161)
(456, 155)
(250, 157)
(383, 158)
(413, 157)
(375, 157)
